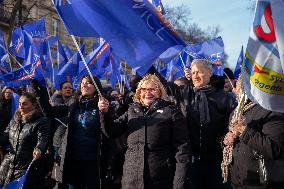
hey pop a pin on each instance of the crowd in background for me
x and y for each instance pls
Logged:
(158, 134)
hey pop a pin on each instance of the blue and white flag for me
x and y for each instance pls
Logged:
(262, 69)
(136, 30)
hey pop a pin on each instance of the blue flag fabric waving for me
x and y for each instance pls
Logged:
(69, 52)
(96, 61)
(15, 103)
(22, 75)
(18, 183)
(19, 46)
(175, 68)
(238, 68)
(17, 43)
(61, 55)
(4, 65)
(36, 29)
(212, 50)
(69, 71)
(72, 18)
(136, 30)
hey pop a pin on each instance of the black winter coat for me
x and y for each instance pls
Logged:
(205, 138)
(264, 135)
(82, 138)
(24, 135)
(158, 153)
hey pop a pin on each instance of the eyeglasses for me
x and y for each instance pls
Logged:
(150, 90)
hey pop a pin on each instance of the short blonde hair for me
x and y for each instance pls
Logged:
(154, 79)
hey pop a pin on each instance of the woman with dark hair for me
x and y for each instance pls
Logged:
(5, 108)
(80, 149)
(28, 135)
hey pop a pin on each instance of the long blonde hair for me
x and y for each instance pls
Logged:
(154, 79)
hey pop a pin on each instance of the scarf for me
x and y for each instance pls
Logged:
(200, 103)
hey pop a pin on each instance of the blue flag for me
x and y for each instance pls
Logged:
(69, 52)
(136, 30)
(17, 43)
(19, 46)
(96, 44)
(18, 183)
(212, 50)
(51, 39)
(47, 66)
(15, 103)
(96, 60)
(61, 55)
(238, 68)
(22, 75)
(72, 18)
(36, 29)
(69, 72)
(175, 69)
(4, 65)
(112, 70)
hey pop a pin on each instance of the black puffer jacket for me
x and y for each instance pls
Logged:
(264, 135)
(24, 135)
(158, 153)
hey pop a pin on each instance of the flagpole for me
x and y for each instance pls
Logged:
(18, 63)
(58, 54)
(229, 80)
(86, 65)
(182, 61)
(10, 64)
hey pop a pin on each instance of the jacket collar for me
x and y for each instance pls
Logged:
(34, 114)
(157, 104)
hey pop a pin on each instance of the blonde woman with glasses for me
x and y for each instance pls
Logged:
(158, 153)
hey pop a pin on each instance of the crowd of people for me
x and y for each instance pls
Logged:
(187, 134)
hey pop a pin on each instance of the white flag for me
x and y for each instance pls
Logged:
(263, 74)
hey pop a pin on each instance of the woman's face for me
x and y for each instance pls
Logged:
(149, 92)
(67, 89)
(25, 105)
(87, 88)
(8, 94)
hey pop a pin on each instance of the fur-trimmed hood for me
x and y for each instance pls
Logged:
(34, 114)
